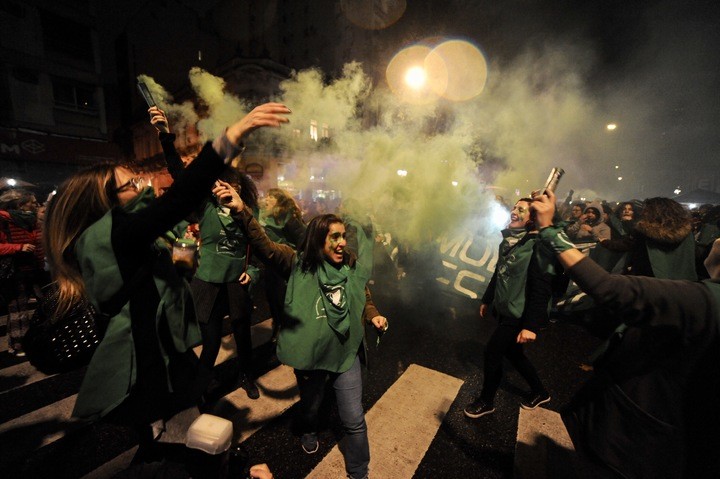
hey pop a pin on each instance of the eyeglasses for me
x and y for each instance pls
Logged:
(137, 183)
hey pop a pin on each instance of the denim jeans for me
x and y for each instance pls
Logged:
(348, 392)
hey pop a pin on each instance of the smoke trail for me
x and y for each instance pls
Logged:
(223, 108)
(180, 115)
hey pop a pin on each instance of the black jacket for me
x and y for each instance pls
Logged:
(650, 410)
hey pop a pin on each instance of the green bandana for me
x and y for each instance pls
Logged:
(332, 283)
(323, 310)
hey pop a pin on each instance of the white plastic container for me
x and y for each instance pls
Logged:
(210, 434)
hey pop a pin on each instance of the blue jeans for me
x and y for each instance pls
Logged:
(348, 392)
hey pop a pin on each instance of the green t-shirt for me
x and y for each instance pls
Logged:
(223, 247)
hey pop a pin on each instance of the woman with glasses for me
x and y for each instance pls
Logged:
(222, 281)
(102, 236)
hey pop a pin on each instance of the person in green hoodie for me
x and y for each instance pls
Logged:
(101, 239)
(326, 306)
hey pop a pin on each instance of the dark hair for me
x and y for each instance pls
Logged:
(285, 204)
(313, 241)
(664, 212)
(248, 190)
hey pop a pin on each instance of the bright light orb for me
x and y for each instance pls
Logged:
(412, 80)
(416, 78)
(11, 182)
(466, 69)
(611, 126)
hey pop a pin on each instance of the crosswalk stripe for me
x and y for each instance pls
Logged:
(22, 432)
(113, 466)
(543, 443)
(401, 425)
(260, 334)
(21, 374)
(58, 415)
(278, 392)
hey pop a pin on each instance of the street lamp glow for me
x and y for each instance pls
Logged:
(677, 191)
(416, 77)
(617, 167)
(611, 126)
(11, 182)
(402, 172)
(454, 183)
(619, 178)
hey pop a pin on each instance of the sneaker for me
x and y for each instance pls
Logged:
(535, 401)
(479, 408)
(249, 386)
(310, 443)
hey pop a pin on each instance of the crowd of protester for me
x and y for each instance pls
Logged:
(101, 241)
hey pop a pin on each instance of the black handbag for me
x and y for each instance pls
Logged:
(57, 344)
(63, 343)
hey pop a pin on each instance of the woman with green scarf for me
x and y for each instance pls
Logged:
(326, 307)
(20, 241)
(102, 234)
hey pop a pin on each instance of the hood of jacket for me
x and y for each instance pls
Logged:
(595, 205)
(662, 233)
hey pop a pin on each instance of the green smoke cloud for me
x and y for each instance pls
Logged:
(533, 115)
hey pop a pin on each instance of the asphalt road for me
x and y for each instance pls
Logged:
(438, 332)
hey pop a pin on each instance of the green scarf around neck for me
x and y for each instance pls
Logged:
(332, 282)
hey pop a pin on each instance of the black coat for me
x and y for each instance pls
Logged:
(651, 408)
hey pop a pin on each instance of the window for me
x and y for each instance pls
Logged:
(313, 130)
(74, 96)
(325, 131)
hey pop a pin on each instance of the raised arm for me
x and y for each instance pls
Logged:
(278, 256)
(664, 302)
(159, 120)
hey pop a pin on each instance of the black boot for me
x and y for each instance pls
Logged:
(245, 382)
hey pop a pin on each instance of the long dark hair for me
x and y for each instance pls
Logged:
(80, 201)
(313, 242)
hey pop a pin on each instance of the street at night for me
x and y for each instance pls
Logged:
(430, 333)
(373, 239)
